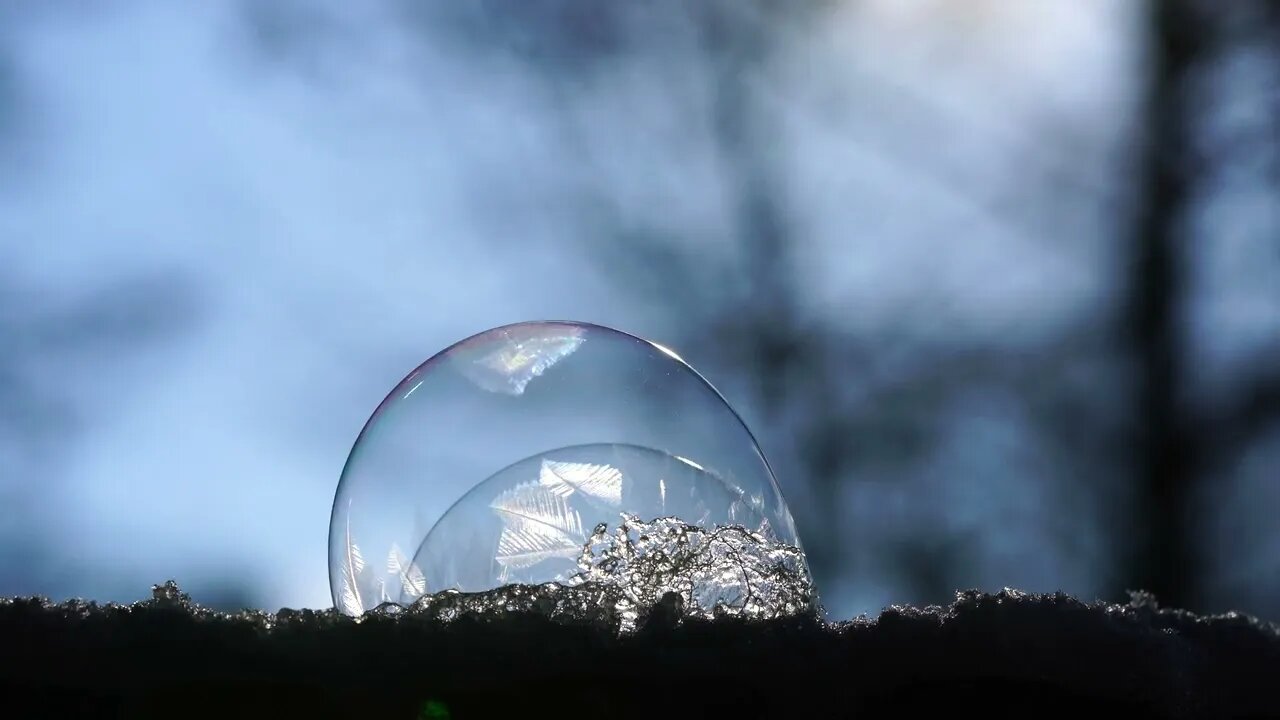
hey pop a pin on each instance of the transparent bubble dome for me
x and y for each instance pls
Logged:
(494, 461)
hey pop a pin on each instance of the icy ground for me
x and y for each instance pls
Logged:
(533, 651)
(724, 615)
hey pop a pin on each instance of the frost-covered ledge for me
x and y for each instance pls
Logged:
(997, 655)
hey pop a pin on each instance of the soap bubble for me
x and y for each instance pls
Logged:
(494, 461)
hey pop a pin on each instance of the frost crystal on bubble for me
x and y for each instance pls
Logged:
(537, 524)
(601, 483)
(522, 354)
(412, 581)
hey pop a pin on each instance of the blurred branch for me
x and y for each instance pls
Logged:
(921, 115)
(871, 430)
(1252, 409)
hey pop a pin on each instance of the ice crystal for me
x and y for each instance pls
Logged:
(727, 570)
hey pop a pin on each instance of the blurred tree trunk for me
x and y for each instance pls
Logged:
(1163, 560)
(770, 336)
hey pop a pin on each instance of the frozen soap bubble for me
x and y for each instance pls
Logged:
(507, 457)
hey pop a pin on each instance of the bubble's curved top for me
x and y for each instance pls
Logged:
(513, 397)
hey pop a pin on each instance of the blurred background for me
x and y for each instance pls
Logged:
(996, 284)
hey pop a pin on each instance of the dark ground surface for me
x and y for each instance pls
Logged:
(1004, 655)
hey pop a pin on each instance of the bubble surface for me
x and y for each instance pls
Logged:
(502, 459)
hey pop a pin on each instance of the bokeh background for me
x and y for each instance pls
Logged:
(997, 284)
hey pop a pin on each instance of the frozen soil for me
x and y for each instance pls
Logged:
(540, 651)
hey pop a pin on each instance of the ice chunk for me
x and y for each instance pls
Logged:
(727, 570)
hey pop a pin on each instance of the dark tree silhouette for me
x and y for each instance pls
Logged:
(1164, 559)
(1178, 446)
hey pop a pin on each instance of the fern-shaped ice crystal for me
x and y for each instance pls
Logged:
(537, 525)
(597, 482)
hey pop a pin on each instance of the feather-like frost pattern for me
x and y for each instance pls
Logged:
(355, 559)
(413, 582)
(351, 604)
(353, 566)
(537, 525)
(598, 482)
